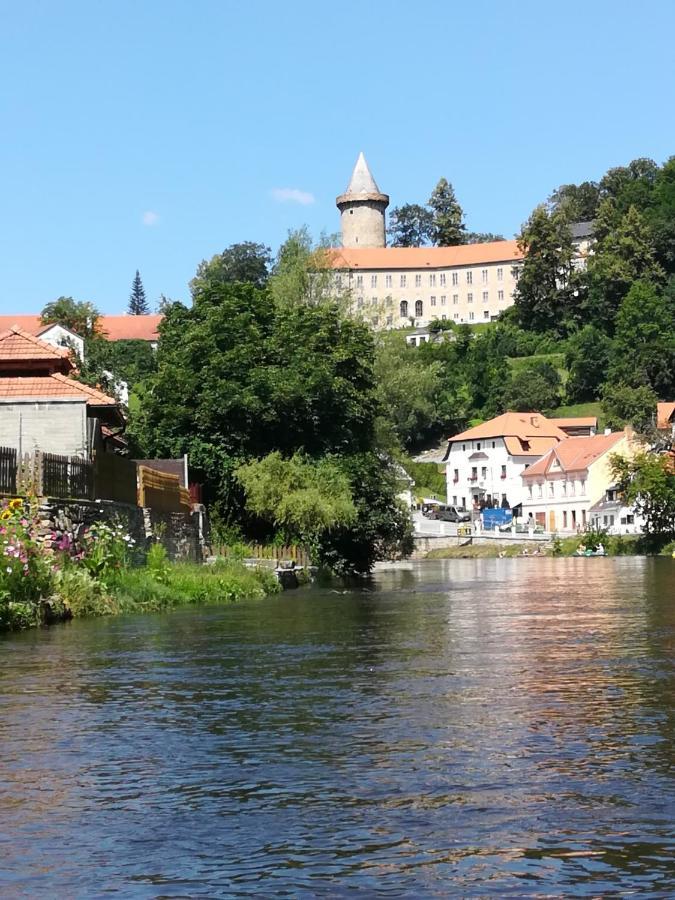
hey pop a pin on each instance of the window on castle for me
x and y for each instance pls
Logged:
(387, 280)
(469, 277)
(455, 278)
(469, 298)
(484, 275)
(500, 274)
(486, 314)
(432, 280)
(455, 299)
(373, 281)
(500, 296)
(404, 309)
(455, 315)
(443, 299)
(338, 281)
(418, 281)
(485, 296)
(403, 280)
(419, 308)
(390, 320)
(442, 279)
(359, 280)
(433, 301)
(471, 317)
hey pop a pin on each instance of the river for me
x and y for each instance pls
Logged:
(463, 727)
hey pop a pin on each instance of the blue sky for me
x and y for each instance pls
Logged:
(153, 134)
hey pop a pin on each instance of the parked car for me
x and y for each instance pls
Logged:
(451, 514)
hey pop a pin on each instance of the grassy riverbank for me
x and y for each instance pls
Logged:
(614, 545)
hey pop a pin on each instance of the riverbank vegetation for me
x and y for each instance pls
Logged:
(44, 578)
(614, 545)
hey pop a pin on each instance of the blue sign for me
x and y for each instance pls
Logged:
(494, 518)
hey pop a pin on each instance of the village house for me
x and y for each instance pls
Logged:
(112, 328)
(562, 488)
(665, 417)
(43, 408)
(484, 463)
(611, 514)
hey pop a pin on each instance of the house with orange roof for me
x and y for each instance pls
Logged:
(112, 328)
(42, 407)
(484, 463)
(665, 417)
(574, 475)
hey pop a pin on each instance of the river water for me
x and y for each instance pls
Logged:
(464, 727)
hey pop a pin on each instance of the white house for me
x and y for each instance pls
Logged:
(613, 516)
(485, 463)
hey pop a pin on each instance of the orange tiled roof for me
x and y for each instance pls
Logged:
(576, 453)
(425, 257)
(52, 386)
(665, 413)
(114, 328)
(525, 434)
(17, 345)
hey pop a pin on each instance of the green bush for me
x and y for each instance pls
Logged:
(83, 595)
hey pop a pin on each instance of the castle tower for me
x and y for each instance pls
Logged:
(362, 209)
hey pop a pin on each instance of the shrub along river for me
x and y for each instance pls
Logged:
(467, 727)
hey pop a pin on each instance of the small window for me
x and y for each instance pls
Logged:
(500, 274)
(373, 281)
(529, 491)
(387, 280)
(484, 276)
(486, 314)
(469, 277)
(338, 281)
(551, 489)
(469, 298)
(503, 471)
(471, 317)
(493, 445)
(500, 296)
(455, 299)
(390, 320)
(442, 277)
(483, 472)
(404, 309)
(432, 279)
(464, 447)
(359, 280)
(433, 301)
(564, 518)
(444, 317)
(403, 280)
(418, 281)
(540, 490)
(454, 500)
(443, 299)
(455, 278)
(419, 308)
(485, 296)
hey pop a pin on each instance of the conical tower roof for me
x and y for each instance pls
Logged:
(362, 185)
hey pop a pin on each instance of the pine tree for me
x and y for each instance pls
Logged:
(448, 222)
(138, 305)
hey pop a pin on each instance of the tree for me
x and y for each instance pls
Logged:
(630, 185)
(536, 387)
(78, 316)
(483, 237)
(247, 262)
(138, 305)
(579, 202)
(661, 216)
(635, 406)
(586, 358)
(647, 482)
(302, 273)
(448, 219)
(301, 497)
(643, 352)
(410, 225)
(624, 254)
(546, 294)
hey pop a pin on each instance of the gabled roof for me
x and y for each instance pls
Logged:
(425, 257)
(54, 386)
(665, 414)
(575, 454)
(525, 434)
(21, 348)
(576, 422)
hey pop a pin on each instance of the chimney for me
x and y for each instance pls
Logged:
(534, 421)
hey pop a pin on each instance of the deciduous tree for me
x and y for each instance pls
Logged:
(410, 225)
(77, 315)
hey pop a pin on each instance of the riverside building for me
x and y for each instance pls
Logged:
(399, 286)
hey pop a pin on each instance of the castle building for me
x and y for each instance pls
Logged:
(398, 286)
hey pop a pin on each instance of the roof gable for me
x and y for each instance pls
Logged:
(21, 349)
(575, 454)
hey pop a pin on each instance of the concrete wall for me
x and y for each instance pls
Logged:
(53, 426)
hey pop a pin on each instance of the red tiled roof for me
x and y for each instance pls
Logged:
(576, 422)
(525, 434)
(425, 257)
(576, 453)
(17, 346)
(114, 328)
(54, 386)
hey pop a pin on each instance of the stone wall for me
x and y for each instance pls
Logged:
(181, 533)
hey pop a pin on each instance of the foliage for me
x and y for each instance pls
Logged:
(301, 497)
(302, 273)
(107, 363)
(578, 202)
(647, 481)
(448, 218)
(534, 388)
(429, 478)
(623, 404)
(643, 352)
(410, 225)
(26, 572)
(76, 315)
(246, 262)
(138, 304)
(587, 357)
(483, 237)
(104, 549)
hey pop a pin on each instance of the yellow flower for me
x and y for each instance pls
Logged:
(17, 503)
(6, 514)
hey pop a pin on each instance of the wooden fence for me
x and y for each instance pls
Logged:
(115, 478)
(66, 476)
(8, 470)
(161, 491)
(268, 551)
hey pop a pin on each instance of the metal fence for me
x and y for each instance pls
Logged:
(8, 470)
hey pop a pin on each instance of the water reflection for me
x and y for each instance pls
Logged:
(476, 727)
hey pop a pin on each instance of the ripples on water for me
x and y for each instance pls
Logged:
(470, 727)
